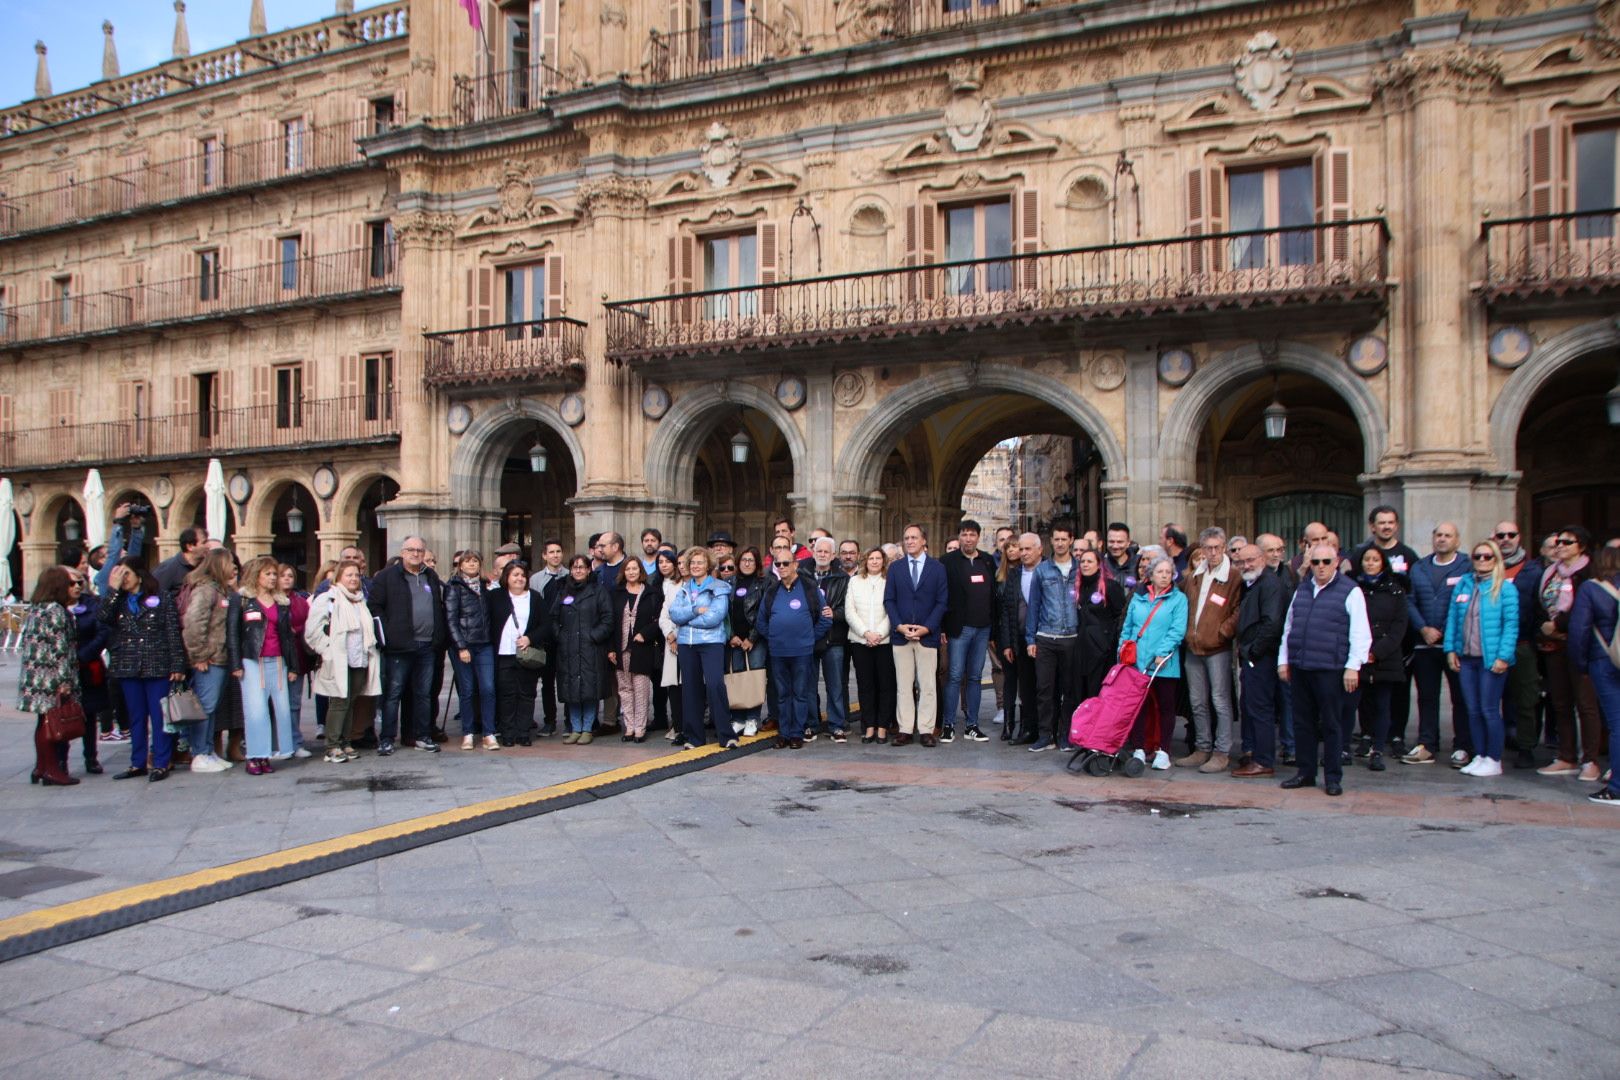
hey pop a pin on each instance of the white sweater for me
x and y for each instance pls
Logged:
(863, 608)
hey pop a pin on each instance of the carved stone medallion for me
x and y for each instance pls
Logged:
(1264, 70)
(848, 389)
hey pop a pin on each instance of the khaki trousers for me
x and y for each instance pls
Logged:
(915, 665)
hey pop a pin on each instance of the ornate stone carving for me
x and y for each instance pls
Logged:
(966, 76)
(1458, 68)
(968, 115)
(721, 154)
(619, 193)
(848, 389)
(859, 21)
(1606, 37)
(1263, 70)
(514, 198)
(612, 14)
(1107, 371)
(423, 226)
(424, 64)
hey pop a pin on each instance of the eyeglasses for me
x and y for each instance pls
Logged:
(1323, 562)
(413, 551)
(1507, 536)
(1565, 541)
(1484, 556)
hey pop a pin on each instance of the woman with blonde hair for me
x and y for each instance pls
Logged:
(202, 630)
(341, 634)
(264, 660)
(870, 651)
(1482, 634)
(699, 612)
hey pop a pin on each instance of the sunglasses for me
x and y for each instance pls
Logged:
(1484, 556)
(1323, 562)
(728, 569)
(1565, 541)
(785, 562)
(1507, 536)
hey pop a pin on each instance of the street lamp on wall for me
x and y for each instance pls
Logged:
(740, 444)
(1276, 415)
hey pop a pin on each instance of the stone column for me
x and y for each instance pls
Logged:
(334, 541)
(816, 486)
(1136, 494)
(858, 516)
(251, 545)
(36, 556)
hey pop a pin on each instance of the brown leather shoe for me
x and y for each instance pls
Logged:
(902, 739)
(1217, 763)
(1192, 760)
(1245, 772)
(928, 739)
(1246, 759)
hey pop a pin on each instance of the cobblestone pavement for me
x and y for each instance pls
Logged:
(967, 911)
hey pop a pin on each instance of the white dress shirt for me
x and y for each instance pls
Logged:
(1360, 629)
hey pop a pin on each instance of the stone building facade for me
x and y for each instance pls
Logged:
(693, 263)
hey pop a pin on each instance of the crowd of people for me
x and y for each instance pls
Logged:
(1275, 661)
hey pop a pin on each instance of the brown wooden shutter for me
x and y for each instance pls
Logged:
(682, 274)
(131, 293)
(1544, 160)
(922, 228)
(1029, 239)
(680, 15)
(8, 428)
(555, 298)
(131, 183)
(182, 400)
(480, 296)
(8, 413)
(1197, 225)
(1215, 214)
(349, 394)
(264, 383)
(546, 12)
(1338, 203)
(765, 247)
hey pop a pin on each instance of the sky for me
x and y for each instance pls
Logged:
(143, 30)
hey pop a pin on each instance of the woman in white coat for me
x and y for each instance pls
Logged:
(341, 633)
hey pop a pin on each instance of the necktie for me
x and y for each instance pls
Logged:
(916, 572)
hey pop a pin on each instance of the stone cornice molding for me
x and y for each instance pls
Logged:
(612, 194)
(415, 228)
(1458, 69)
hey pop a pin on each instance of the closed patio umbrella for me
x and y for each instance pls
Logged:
(95, 510)
(8, 536)
(214, 508)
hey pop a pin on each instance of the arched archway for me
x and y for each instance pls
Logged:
(692, 421)
(483, 450)
(134, 496)
(1512, 405)
(294, 520)
(1566, 452)
(373, 537)
(494, 470)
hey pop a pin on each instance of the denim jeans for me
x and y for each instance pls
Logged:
(966, 652)
(408, 672)
(207, 685)
(475, 685)
(1606, 682)
(295, 706)
(581, 716)
(264, 687)
(1482, 696)
(831, 663)
(1209, 686)
(1428, 668)
(795, 680)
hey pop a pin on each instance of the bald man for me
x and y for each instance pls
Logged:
(1314, 534)
(1428, 608)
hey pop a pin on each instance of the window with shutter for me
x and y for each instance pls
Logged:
(378, 375)
(1275, 197)
(379, 241)
(1029, 239)
(480, 297)
(289, 262)
(208, 275)
(544, 16)
(1596, 179)
(294, 144)
(205, 400)
(766, 245)
(523, 290)
(519, 57)
(978, 231)
(349, 391)
(682, 273)
(722, 30)
(556, 302)
(289, 396)
(730, 264)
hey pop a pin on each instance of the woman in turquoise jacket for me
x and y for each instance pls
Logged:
(699, 610)
(1156, 621)
(1482, 632)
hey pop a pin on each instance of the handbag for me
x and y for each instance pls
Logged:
(1127, 651)
(65, 722)
(529, 656)
(181, 709)
(746, 689)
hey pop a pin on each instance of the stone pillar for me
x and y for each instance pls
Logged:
(858, 516)
(818, 482)
(36, 556)
(1136, 494)
(334, 541)
(251, 545)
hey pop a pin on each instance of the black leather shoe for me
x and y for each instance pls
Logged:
(157, 774)
(1298, 782)
(94, 768)
(129, 774)
(1333, 789)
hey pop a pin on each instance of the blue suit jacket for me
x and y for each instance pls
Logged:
(923, 605)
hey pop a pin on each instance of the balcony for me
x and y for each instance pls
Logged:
(316, 151)
(1573, 257)
(476, 98)
(547, 351)
(278, 52)
(1338, 272)
(921, 16)
(711, 49)
(302, 282)
(302, 424)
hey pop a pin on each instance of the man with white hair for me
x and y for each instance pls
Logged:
(829, 652)
(1326, 639)
(1212, 614)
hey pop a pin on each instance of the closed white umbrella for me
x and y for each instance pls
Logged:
(8, 536)
(214, 508)
(95, 510)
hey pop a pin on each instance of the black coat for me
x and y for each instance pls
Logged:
(1100, 621)
(746, 593)
(145, 643)
(958, 569)
(1387, 612)
(834, 587)
(390, 603)
(244, 636)
(647, 655)
(1262, 611)
(498, 612)
(465, 617)
(92, 636)
(580, 628)
(1012, 611)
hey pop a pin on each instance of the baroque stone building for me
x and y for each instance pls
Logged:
(691, 263)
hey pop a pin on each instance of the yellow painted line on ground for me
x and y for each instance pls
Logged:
(91, 906)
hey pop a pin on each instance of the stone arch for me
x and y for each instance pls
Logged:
(687, 424)
(480, 454)
(352, 488)
(1219, 375)
(261, 508)
(47, 506)
(860, 465)
(1546, 361)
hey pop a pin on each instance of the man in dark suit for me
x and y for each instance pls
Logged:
(1014, 644)
(915, 598)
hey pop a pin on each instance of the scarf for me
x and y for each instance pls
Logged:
(1556, 594)
(346, 617)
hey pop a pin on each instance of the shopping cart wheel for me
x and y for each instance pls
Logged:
(1134, 767)
(1077, 760)
(1099, 765)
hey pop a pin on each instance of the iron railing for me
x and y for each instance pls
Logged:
(546, 350)
(207, 294)
(921, 16)
(509, 92)
(216, 169)
(722, 45)
(1552, 253)
(1232, 270)
(273, 426)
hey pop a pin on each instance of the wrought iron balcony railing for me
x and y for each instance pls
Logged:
(1232, 271)
(506, 93)
(212, 170)
(207, 294)
(722, 45)
(1552, 254)
(543, 351)
(921, 16)
(215, 432)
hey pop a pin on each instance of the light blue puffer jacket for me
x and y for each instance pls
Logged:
(701, 627)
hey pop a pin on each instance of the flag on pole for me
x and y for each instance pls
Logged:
(475, 16)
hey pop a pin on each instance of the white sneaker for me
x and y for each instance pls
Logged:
(1139, 755)
(467, 742)
(1161, 760)
(280, 755)
(300, 752)
(751, 728)
(1485, 767)
(208, 763)
(1470, 768)
(1000, 717)
(736, 728)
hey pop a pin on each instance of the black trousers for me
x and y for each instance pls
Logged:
(514, 698)
(1428, 668)
(1055, 672)
(1320, 715)
(874, 683)
(1018, 693)
(548, 696)
(1375, 711)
